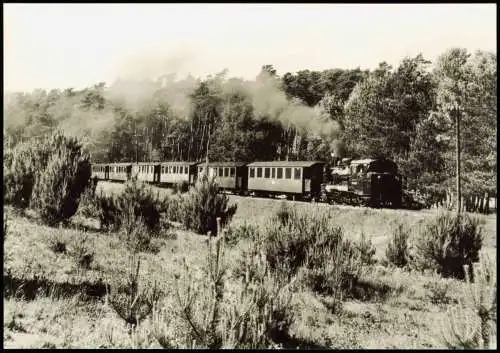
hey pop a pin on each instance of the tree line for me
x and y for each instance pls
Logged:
(404, 113)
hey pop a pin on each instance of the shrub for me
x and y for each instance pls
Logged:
(242, 231)
(135, 233)
(310, 242)
(438, 291)
(284, 214)
(88, 201)
(123, 210)
(337, 275)
(471, 324)
(181, 187)
(290, 235)
(57, 243)
(136, 302)
(365, 249)
(82, 252)
(202, 205)
(19, 175)
(448, 242)
(64, 174)
(257, 315)
(397, 251)
(173, 208)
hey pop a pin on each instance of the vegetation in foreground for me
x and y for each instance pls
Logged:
(301, 279)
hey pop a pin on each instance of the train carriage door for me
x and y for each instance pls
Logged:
(306, 179)
(156, 175)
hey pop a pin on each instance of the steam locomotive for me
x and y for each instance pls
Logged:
(373, 182)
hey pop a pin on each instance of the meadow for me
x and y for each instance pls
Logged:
(53, 301)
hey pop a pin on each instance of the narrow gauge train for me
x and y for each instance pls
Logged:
(369, 182)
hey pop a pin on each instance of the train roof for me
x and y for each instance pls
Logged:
(303, 164)
(222, 164)
(178, 163)
(118, 163)
(147, 163)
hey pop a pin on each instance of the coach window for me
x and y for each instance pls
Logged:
(296, 174)
(221, 172)
(267, 173)
(252, 172)
(288, 173)
(273, 173)
(279, 173)
(232, 171)
(226, 172)
(259, 172)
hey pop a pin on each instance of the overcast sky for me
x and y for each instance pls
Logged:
(65, 45)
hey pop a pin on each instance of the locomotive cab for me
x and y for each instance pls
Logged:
(377, 181)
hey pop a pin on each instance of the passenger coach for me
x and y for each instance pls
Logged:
(149, 172)
(120, 171)
(100, 171)
(177, 172)
(292, 178)
(231, 176)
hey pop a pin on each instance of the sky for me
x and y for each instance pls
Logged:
(77, 45)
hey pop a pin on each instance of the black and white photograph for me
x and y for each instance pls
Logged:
(250, 176)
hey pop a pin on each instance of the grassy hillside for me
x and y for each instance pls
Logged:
(51, 301)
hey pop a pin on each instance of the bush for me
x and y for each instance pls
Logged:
(336, 276)
(397, 251)
(63, 173)
(438, 291)
(107, 211)
(448, 242)
(181, 187)
(242, 231)
(82, 252)
(202, 205)
(173, 208)
(366, 250)
(294, 240)
(135, 202)
(137, 300)
(472, 324)
(19, 175)
(257, 315)
(88, 201)
(135, 233)
(57, 243)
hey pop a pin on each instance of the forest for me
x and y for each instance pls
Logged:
(406, 113)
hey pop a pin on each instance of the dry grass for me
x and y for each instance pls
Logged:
(398, 315)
